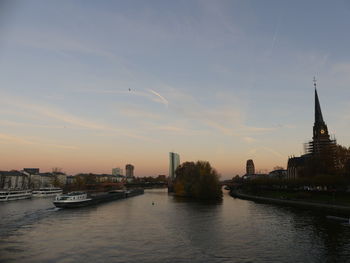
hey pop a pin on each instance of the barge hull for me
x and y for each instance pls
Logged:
(101, 198)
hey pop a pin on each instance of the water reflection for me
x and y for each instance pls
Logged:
(157, 227)
(324, 239)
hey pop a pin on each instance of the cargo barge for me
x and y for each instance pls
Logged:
(81, 199)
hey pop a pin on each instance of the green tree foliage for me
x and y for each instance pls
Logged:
(197, 180)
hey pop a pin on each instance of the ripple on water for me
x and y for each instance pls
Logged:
(134, 230)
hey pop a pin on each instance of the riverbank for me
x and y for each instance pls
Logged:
(324, 207)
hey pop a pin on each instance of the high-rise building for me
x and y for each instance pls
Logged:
(129, 171)
(174, 162)
(250, 169)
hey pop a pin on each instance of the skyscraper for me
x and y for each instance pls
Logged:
(250, 169)
(174, 162)
(129, 171)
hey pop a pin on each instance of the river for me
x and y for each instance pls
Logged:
(156, 227)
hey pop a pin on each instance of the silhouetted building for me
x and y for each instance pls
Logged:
(174, 162)
(279, 173)
(129, 172)
(296, 166)
(321, 145)
(250, 169)
(319, 157)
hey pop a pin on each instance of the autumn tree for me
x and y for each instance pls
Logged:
(197, 180)
(55, 181)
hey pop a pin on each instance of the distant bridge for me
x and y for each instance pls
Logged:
(146, 184)
(226, 182)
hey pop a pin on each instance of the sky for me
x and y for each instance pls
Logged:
(91, 85)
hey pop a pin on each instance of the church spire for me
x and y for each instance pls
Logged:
(318, 112)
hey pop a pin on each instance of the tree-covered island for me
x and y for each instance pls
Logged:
(197, 180)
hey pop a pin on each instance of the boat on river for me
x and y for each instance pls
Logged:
(80, 199)
(10, 195)
(339, 219)
(47, 191)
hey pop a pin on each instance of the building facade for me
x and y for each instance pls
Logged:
(14, 180)
(174, 162)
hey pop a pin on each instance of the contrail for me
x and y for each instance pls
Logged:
(162, 99)
(274, 38)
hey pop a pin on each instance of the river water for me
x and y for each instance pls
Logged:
(170, 230)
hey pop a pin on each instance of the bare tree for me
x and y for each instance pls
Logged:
(56, 170)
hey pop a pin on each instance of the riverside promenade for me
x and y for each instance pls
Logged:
(345, 210)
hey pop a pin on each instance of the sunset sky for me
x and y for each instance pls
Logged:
(92, 85)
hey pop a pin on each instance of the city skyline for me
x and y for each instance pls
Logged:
(98, 84)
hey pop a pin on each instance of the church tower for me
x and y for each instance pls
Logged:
(320, 130)
(322, 147)
(319, 157)
(321, 140)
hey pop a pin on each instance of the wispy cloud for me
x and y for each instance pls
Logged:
(59, 146)
(7, 123)
(225, 118)
(54, 41)
(59, 115)
(8, 138)
(67, 118)
(170, 128)
(341, 69)
(139, 113)
(274, 152)
(249, 139)
(253, 152)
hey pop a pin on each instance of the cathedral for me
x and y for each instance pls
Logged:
(319, 153)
